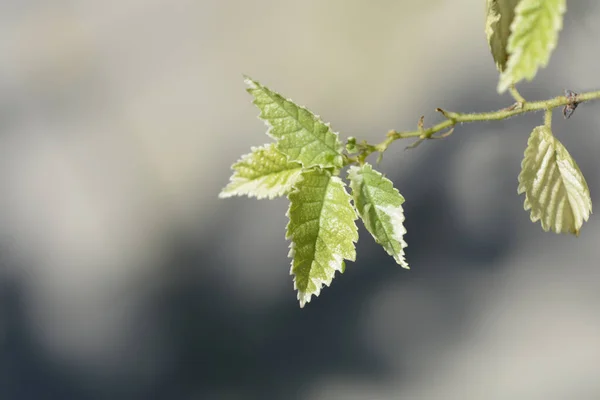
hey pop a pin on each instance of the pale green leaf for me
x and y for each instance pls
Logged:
(534, 36)
(322, 231)
(263, 173)
(555, 189)
(500, 15)
(300, 134)
(379, 205)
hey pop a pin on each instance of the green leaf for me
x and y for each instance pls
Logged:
(500, 15)
(300, 134)
(322, 231)
(379, 205)
(534, 36)
(263, 173)
(555, 189)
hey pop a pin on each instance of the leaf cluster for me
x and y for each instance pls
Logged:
(306, 158)
(305, 163)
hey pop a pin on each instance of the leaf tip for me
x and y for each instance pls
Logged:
(248, 80)
(302, 302)
(401, 261)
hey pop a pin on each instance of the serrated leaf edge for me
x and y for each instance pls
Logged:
(396, 215)
(522, 189)
(227, 191)
(514, 54)
(494, 31)
(338, 161)
(337, 264)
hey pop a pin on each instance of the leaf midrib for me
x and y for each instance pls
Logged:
(314, 242)
(279, 102)
(377, 211)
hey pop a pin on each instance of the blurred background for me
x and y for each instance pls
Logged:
(123, 276)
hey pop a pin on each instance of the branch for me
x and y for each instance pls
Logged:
(570, 101)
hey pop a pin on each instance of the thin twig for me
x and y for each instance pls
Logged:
(453, 118)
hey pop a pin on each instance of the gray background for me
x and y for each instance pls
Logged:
(124, 277)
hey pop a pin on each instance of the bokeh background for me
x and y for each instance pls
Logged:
(123, 276)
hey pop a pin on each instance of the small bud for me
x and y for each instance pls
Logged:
(421, 123)
(351, 145)
(570, 108)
